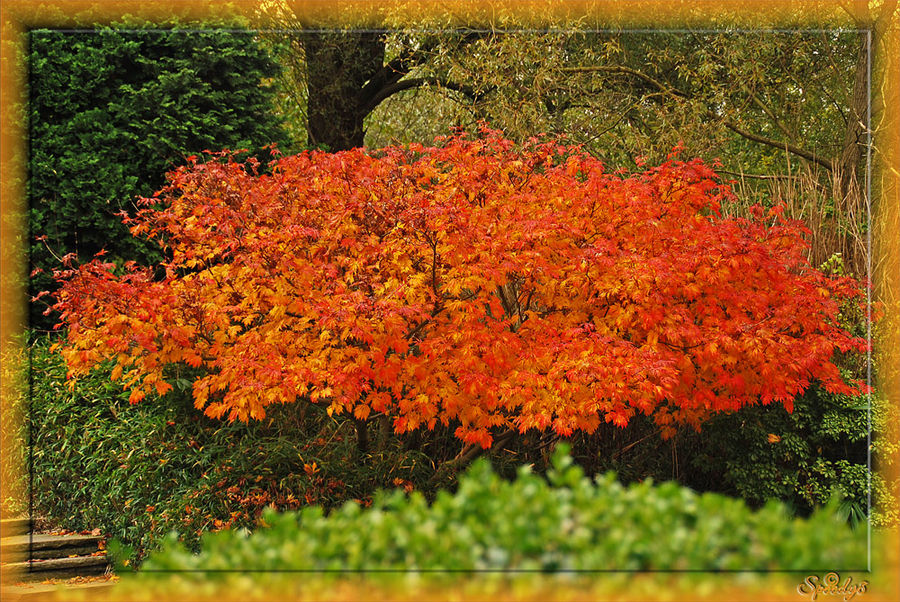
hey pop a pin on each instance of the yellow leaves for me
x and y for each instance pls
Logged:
(455, 305)
(322, 393)
(116, 373)
(407, 486)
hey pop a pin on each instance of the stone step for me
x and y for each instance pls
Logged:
(14, 526)
(56, 568)
(40, 591)
(42, 546)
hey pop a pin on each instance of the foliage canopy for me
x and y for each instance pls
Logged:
(470, 283)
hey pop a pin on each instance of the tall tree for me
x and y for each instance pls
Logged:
(113, 109)
(337, 76)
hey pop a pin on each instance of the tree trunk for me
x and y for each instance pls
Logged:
(855, 139)
(362, 436)
(858, 118)
(338, 65)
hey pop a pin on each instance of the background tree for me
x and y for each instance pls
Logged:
(785, 111)
(774, 107)
(336, 77)
(113, 109)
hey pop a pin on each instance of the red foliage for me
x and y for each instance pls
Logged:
(470, 282)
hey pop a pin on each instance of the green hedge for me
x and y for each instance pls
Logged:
(112, 109)
(563, 523)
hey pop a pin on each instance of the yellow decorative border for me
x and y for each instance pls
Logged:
(18, 16)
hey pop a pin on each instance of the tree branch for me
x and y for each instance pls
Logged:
(468, 453)
(628, 71)
(415, 82)
(383, 83)
(809, 156)
(395, 70)
(768, 111)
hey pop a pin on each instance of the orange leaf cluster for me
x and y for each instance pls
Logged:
(473, 283)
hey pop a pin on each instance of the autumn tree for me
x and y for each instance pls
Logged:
(476, 284)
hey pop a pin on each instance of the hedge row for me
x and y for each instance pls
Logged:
(566, 522)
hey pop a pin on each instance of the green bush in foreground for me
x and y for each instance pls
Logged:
(568, 523)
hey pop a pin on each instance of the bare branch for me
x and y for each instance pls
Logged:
(416, 82)
(809, 156)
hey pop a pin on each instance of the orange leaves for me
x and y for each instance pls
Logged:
(472, 283)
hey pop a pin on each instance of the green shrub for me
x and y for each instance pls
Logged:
(762, 453)
(563, 523)
(112, 110)
(139, 472)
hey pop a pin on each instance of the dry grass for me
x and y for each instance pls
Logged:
(837, 222)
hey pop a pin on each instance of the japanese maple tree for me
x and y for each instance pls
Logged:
(474, 283)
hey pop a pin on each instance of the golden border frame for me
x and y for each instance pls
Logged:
(18, 16)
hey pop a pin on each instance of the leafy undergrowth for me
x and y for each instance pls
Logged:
(565, 522)
(139, 472)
